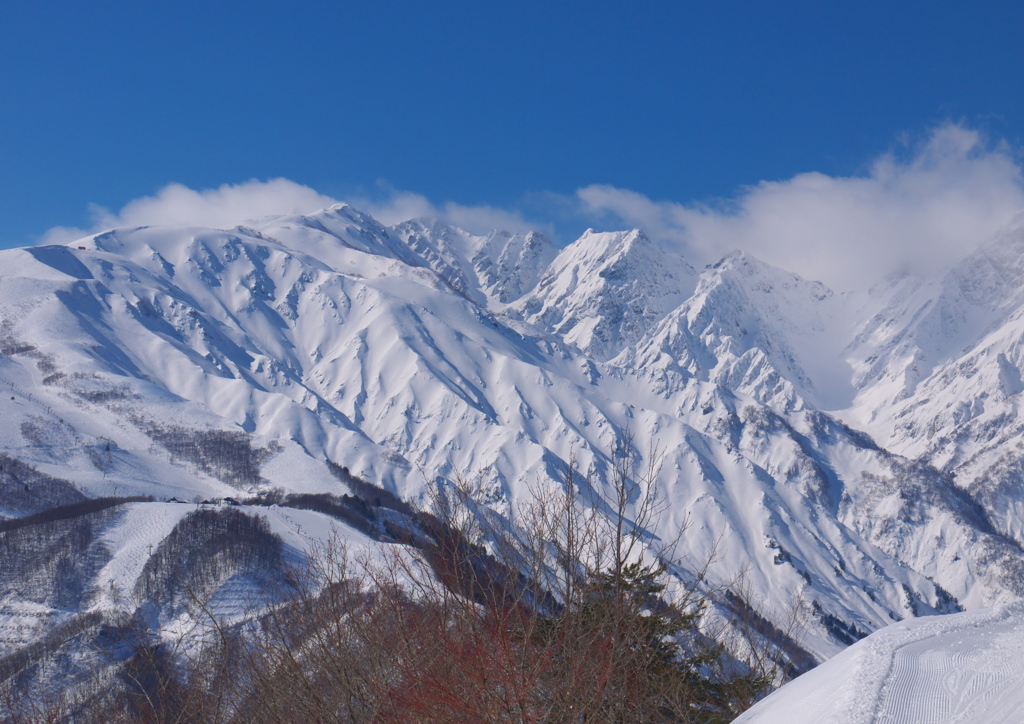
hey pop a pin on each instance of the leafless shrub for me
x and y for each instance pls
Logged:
(226, 454)
(26, 490)
(205, 548)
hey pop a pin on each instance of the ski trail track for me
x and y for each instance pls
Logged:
(131, 541)
(965, 674)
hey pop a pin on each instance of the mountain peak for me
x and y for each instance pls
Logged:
(605, 289)
(755, 328)
(610, 240)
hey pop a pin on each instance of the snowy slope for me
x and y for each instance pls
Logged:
(497, 268)
(63, 580)
(755, 329)
(963, 669)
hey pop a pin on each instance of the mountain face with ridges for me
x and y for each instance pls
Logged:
(603, 291)
(497, 268)
(945, 387)
(754, 329)
(794, 441)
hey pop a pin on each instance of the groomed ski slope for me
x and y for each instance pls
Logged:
(963, 668)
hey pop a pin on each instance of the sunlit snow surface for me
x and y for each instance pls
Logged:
(959, 669)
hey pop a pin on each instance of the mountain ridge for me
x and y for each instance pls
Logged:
(419, 353)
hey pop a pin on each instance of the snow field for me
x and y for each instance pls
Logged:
(131, 542)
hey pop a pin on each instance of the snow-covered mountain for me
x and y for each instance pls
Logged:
(754, 329)
(492, 269)
(858, 457)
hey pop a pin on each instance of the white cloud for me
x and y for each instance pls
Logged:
(925, 209)
(221, 208)
(954, 192)
(224, 207)
(232, 204)
(396, 206)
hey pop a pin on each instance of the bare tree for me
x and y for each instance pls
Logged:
(569, 612)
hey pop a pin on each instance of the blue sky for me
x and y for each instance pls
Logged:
(513, 106)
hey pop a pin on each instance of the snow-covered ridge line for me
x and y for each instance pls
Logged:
(858, 455)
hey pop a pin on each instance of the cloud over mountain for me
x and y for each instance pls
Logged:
(394, 206)
(923, 209)
(222, 207)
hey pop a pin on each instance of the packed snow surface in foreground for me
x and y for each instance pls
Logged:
(959, 669)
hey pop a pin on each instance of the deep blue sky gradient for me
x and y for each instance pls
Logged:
(479, 102)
